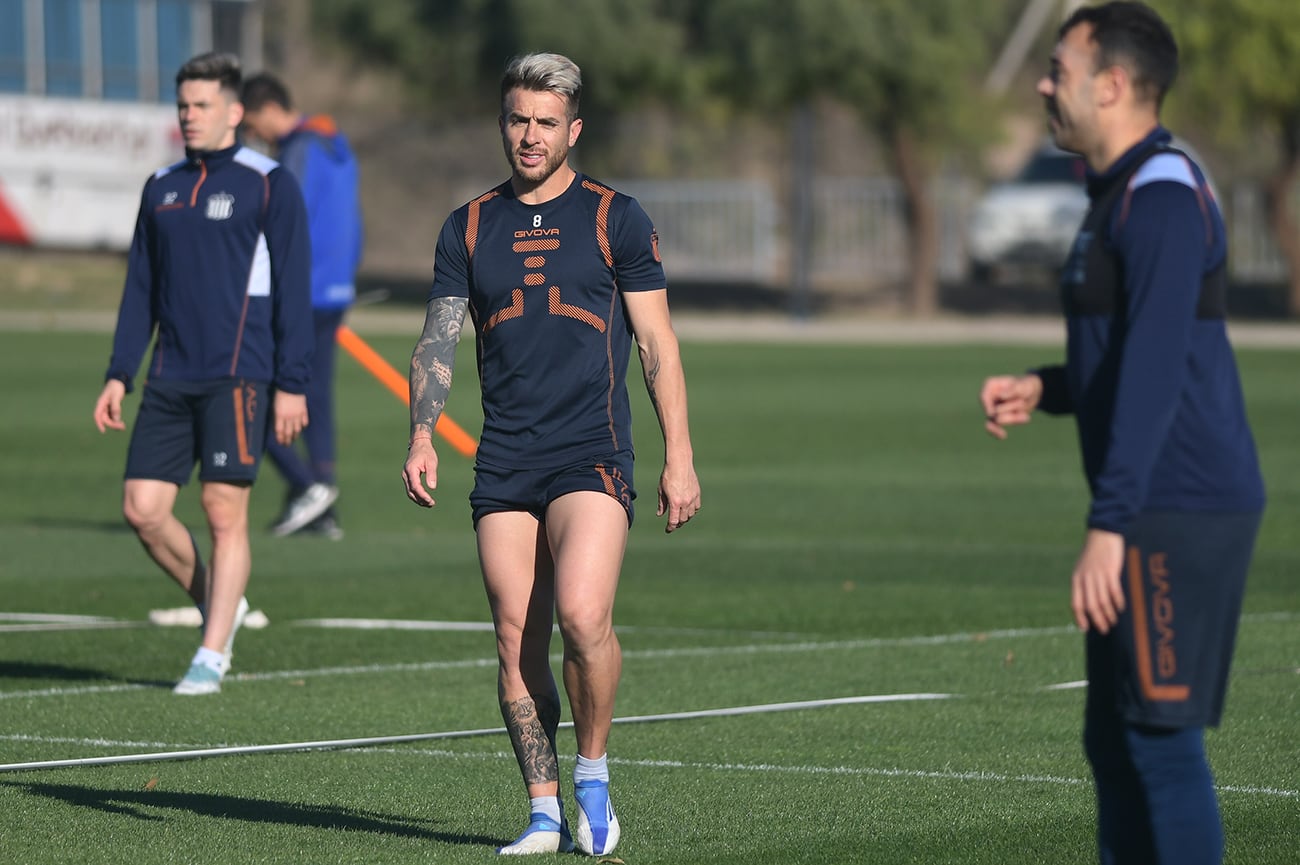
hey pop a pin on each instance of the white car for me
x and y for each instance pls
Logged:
(1029, 221)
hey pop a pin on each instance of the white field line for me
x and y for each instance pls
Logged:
(371, 745)
(392, 625)
(51, 617)
(857, 771)
(70, 626)
(632, 654)
(453, 734)
(21, 622)
(1067, 686)
(629, 654)
(427, 625)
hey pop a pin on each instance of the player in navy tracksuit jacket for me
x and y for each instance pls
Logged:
(318, 156)
(218, 279)
(1169, 456)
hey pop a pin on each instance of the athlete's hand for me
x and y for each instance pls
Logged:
(290, 416)
(1009, 400)
(1097, 592)
(108, 408)
(420, 474)
(679, 494)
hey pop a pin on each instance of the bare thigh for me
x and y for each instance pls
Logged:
(587, 533)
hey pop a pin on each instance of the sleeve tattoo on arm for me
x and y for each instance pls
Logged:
(433, 359)
(651, 379)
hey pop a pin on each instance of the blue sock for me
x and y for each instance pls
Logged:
(1123, 823)
(1179, 791)
(591, 770)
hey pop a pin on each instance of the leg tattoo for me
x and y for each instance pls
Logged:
(532, 724)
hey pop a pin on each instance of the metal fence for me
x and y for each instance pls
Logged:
(738, 230)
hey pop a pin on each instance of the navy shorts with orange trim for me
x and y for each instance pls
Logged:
(501, 489)
(1166, 663)
(221, 425)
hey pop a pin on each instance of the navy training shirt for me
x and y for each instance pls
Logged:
(1150, 374)
(220, 265)
(544, 285)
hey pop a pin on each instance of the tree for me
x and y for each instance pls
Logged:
(1238, 76)
(911, 68)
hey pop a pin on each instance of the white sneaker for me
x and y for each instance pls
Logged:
(241, 612)
(598, 828)
(543, 835)
(199, 680)
(305, 508)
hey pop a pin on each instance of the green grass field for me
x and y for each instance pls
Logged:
(861, 536)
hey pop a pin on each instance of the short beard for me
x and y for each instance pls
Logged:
(539, 175)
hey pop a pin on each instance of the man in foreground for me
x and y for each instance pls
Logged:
(559, 274)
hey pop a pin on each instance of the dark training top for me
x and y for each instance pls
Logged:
(1150, 375)
(220, 265)
(544, 285)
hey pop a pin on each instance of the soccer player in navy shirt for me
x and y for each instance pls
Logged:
(560, 275)
(1170, 460)
(219, 272)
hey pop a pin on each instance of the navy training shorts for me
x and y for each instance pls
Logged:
(1166, 663)
(499, 489)
(222, 425)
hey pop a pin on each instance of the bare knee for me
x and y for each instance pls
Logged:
(145, 514)
(586, 628)
(226, 509)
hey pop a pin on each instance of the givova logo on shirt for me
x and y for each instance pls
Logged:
(220, 206)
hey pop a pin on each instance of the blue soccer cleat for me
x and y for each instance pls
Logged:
(597, 826)
(543, 835)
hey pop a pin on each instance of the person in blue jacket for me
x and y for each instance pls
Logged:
(218, 279)
(320, 158)
(1176, 489)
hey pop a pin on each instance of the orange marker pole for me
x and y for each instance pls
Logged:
(394, 381)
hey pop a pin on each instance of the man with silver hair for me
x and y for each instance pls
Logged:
(560, 275)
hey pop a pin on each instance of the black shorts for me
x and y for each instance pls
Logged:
(499, 489)
(222, 425)
(1166, 663)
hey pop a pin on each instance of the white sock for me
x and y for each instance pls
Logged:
(548, 805)
(209, 658)
(591, 770)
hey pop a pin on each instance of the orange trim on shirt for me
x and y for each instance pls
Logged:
(203, 175)
(602, 218)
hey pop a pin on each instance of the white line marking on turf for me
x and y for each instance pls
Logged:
(26, 622)
(632, 654)
(327, 744)
(941, 775)
(69, 626)
(69, 740)
(427, 625)
(1067, 686)
(393, 625)
(51, 617)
